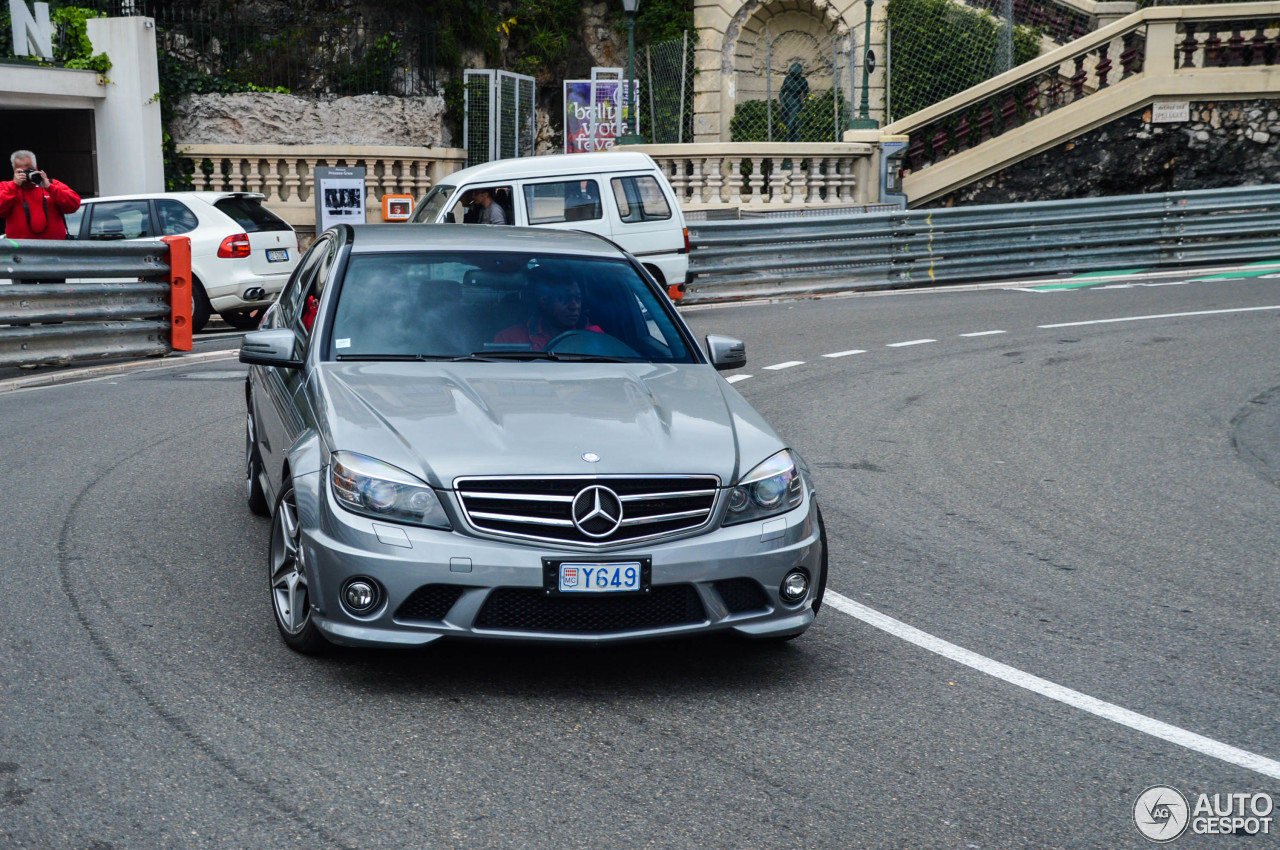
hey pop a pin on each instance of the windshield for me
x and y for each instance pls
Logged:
(250, 214)
(432, 204)
(501, 306)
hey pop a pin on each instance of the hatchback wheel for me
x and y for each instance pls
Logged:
(290, 593)
(201, 309)
(253, 471)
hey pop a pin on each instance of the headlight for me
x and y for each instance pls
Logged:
(772, 488)
(375, 489)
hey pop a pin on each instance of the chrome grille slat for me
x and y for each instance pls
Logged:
(540, 509)
(642, 520)
(529, 519)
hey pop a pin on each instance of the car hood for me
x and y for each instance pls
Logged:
(441, 421)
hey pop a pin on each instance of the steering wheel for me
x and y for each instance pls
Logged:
(590, 342)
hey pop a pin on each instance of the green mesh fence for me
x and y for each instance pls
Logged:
(665, 73)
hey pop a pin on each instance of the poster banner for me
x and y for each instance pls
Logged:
(594, 112)
(340, 196)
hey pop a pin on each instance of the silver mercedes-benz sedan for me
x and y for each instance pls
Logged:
(508, 433)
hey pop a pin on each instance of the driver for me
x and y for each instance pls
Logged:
(559, 309)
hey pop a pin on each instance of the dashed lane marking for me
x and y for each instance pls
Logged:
(1043, 687)
(1160, 316)
(776, 366)
(845, 353)
(735, 378)
(983, 333)
(909, 342)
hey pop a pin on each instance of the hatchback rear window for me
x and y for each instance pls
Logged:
(250, 214)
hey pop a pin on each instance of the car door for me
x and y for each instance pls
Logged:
(565, 203)
(276, 390)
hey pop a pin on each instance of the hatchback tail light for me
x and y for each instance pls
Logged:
(235, 247)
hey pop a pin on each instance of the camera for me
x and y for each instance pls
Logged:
(33, 176)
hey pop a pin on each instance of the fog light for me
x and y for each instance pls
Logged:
(360, 596)
(794, 586)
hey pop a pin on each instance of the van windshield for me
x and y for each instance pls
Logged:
(430, 207)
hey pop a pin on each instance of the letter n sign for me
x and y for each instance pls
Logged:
(31, 33)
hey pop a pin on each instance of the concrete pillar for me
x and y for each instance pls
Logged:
(127, 120)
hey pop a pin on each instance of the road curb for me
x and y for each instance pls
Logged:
(71, 376)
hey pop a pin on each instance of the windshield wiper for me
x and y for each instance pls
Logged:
(559, 356)
(408, 358)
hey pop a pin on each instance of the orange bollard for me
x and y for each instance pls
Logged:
(179, 291)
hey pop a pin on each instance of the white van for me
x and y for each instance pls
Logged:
(621, 195)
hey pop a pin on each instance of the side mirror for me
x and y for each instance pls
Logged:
(273, 347)
(725, 352)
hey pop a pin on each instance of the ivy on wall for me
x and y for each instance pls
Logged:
(72, 47)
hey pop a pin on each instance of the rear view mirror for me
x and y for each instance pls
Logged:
(272, 347)
(725, 352)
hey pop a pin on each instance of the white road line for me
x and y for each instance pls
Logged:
(786, 365)
(1036, 291)
(846, 353)
(735, 378)
(1160, 316)
(983, 333)
(909, 342)
(1064, 695)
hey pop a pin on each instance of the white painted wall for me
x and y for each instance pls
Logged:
(127, 120)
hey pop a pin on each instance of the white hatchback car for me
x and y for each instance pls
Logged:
(241, 253)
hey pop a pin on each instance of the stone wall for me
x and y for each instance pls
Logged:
(255, 118)
(1226, 143)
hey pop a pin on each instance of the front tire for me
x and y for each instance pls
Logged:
(201, 309)
(244, 320)
(290, 592)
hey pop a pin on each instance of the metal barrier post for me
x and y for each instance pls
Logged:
(179, 291)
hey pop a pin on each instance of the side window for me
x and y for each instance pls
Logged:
(73, 222)
(121, 220)
(572, 200)
(295, 290)
(175, 218)
(640, 199)
(311, 287)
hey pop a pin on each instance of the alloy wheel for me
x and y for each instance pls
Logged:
(289, 591)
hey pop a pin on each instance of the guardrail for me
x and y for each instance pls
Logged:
(750, 259)
(148, 313)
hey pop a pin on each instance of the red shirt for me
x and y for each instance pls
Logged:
(57, 198)
(534, 337)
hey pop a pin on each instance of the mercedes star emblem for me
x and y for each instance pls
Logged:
(597, 511)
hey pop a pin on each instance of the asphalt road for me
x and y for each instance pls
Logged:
(1094, 505)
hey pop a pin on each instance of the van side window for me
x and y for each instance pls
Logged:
(572, 200)
(640, 199)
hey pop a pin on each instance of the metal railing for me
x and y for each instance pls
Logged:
(147, 313)
(749, 259)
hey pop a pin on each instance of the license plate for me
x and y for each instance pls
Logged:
(278, 255)
(600, 578)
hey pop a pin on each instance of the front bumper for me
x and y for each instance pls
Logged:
(698, 572)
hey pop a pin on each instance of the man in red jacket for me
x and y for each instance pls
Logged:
(33, 206)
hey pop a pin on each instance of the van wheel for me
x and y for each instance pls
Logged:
(201, 309)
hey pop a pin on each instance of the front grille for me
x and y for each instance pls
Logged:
(543, 508)
(529, 609)
(741, 595)
(431, 602)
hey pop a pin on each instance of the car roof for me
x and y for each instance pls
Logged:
(208, 197)
(378, 238)
(553, 165)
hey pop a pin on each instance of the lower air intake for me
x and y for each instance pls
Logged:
(530, 609)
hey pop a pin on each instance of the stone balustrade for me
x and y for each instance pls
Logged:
(283, 173)
(759, 174)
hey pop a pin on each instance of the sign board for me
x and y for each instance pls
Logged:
(595, 114)
(1170, 112)
(397, 207)
(32, 33)
(339, 196)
